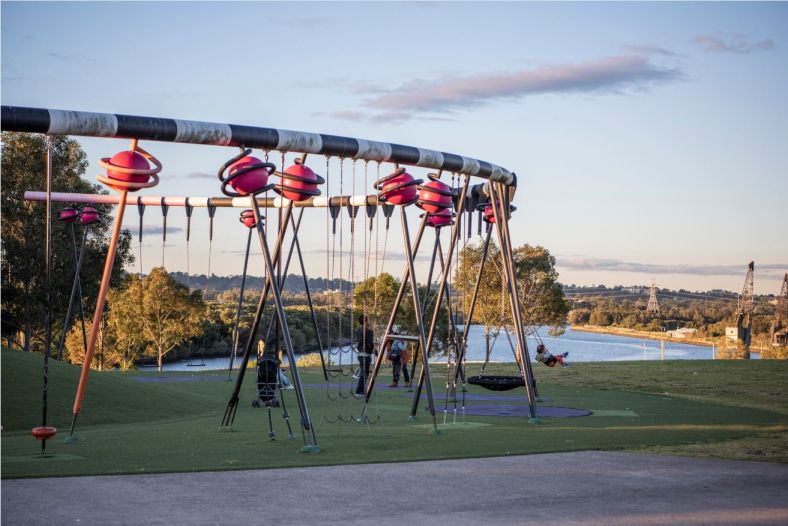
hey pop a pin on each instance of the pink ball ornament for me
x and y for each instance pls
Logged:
(251, 181)
(398, 191)
(68, 214)
(299, 182)
(489, 216)
(130, 160)
(435, 196)
(89, 215)
(247, 218)
(441, 219)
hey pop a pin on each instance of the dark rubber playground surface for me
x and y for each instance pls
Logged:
(471, 409)
(582, 488)
(522, 410)
(195, 378)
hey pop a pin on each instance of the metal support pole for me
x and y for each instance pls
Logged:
(469, 317)
(441, 290)
(236, 333)
(309, 297)
(435, 248)
(296, 228)
(500, 226)
(102, 296)
(393, 316)
(445, 268)
(232, 404)
(453, 332)
(164, 209)
(426, 298)
(306, 423)
(504, 204)
(77, 261)
(423, 343)
(76, 289)
(47, 292)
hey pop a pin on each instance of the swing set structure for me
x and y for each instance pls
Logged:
(244, 181)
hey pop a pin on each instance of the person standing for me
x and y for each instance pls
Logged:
(365, 345)
(398, 359)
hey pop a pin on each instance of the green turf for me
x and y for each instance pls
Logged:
(128, 426)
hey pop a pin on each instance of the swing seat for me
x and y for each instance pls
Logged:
(497, 383)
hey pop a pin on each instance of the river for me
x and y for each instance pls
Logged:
(581, 346)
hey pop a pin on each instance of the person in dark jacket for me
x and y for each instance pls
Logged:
(398, 357)
(365, 345)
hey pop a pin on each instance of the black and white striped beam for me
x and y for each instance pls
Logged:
(81, 123)
(204, 202)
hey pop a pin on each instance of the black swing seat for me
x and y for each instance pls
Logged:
(497, 383)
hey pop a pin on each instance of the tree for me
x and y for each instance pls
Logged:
(23, 305)
(108, 353)
(166, 314)
(375, 296)
(124, 326)
(540, 292)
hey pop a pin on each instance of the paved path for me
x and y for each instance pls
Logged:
(559, 489)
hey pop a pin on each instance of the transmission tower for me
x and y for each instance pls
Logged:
(744, 312)
(779, 331)
(653, 304)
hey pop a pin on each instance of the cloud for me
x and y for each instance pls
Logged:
(443, 96)
(391, 117)
(649, 49)
(152, 230)
(731, 43)
(615, 265)
(200, 175)
(61, 56)
(605, 75)
(345, 115)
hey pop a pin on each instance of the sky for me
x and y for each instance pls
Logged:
(649, 139)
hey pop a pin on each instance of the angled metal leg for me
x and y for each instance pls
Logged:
(453, 337)
(423, 342)
(501, 222)
(309, 300)
(516, 296)
(280, 272)
(426, 302)
(102, 296)
(306, 423)
(76, 289)
(441, 290)
(469, 317)
(236, 333)
(232, 404)
(295, 243)
(393, 316)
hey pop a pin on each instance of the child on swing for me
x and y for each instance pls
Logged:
(548, 358)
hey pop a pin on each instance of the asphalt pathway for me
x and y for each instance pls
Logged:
(588, 487)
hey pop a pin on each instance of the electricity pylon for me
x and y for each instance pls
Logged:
(653, 304)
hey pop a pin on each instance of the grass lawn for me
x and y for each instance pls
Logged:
(132, 426)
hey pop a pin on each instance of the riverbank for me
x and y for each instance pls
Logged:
(646, 335)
